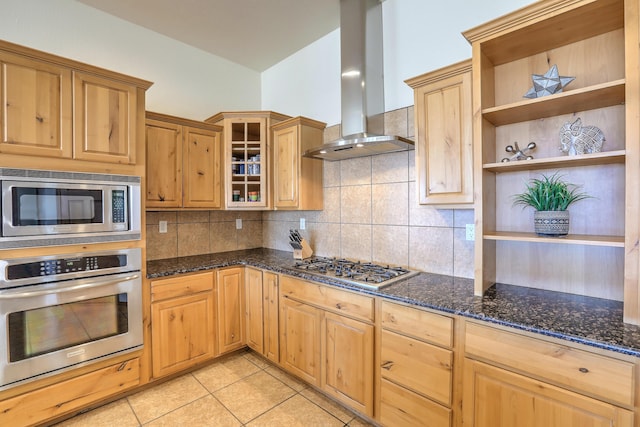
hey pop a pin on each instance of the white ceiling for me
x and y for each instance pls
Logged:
(253, 33)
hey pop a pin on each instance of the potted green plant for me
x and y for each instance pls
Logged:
(550, 196)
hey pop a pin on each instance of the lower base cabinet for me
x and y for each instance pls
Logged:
(262, 313)
(496, 397)
(67, 396)
(402, 407)
(327, 339)
(231, 309)
(182, 322)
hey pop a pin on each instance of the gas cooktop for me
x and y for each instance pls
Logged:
(365, 274)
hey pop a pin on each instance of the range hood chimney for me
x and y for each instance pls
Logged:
(362, 87)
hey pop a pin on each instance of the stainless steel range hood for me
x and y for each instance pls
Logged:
(362, 87)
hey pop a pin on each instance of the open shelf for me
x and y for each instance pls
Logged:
(583, 99)
(606, 157)
(571, 239)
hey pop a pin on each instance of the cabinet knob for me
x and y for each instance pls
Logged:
(387, 365)
(583, 370)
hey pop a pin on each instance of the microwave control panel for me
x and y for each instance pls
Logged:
(118, 206)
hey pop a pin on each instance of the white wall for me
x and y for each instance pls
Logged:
(187, 82)
(419, 36)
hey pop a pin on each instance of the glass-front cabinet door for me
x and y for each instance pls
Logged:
(247, 158)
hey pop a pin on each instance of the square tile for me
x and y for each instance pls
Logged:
(390, 204)
(254, 395)
(204, 412)
(289, 380)
(355, 203)
(328, 405)
(355, 171)
(117, 413)
(296, 412)
(160, 400)
(193, 239)
(356, 242)
(225, 372)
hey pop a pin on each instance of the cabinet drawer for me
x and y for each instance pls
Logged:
(62, 398)
(401, 407)
(419, 366)
(419, 324)
(328, 298)
(589, 373)
(180, 286)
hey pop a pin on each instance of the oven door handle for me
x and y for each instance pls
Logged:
(95, 283)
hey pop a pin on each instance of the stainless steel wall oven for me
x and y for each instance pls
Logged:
(59, 312)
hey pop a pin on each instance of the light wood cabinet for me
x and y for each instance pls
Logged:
(444, 143)
(64, 110)
(247, 157)
(183, 163)
(35, 107)
(595, 42)
(416, 367)
(510, 377)
(262, 312)
(495, 397)
(297, 180)
(231, 309)
(271, 292)
(300, 340)
(182, 322)
(327, 339)
(38, 406)
(105, 119)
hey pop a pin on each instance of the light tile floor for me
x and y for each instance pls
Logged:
(240, 390)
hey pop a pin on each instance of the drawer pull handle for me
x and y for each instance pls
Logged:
(583, 370)
(387, 365)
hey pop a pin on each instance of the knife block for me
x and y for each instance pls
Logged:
(303, 253)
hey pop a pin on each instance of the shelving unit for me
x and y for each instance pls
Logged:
(595, 41)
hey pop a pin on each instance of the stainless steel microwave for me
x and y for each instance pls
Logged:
(42, 208)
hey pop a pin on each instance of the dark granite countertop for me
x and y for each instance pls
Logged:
(591, 321)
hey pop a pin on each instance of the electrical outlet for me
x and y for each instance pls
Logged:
(303, 224)
(471, 232)
(162, 226)
(238, 223)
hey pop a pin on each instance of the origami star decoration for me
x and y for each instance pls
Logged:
(548, 84)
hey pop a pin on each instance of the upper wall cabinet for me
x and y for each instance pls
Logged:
(183, 163)
(35, 107)
(443, 123)
(58, 108)
(297, 180)
(247, 157)
(105, 119)
(597, 43)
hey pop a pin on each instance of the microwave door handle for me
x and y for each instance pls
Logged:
(94, 284)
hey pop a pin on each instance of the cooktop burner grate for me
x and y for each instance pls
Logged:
(355, 272)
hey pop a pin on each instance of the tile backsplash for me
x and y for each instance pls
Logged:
(371, 213)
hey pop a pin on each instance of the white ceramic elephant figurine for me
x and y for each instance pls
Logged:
(578, 139)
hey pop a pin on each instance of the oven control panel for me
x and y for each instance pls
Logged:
(54, 268)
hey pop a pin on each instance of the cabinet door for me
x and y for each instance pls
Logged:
(231, 312)
(202, 170)
(347, 348)
(286, 167)
(164, 164)
(182, 332)
(255, 312)
(498, 398)
(105, 119)
(300, 340)
(271, 316)
(246, 163)
(404, 408)
(35, 108)
(444, 149)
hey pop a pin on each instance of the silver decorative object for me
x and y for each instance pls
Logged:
(578, 139)
(548, 84)
(519, 154)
